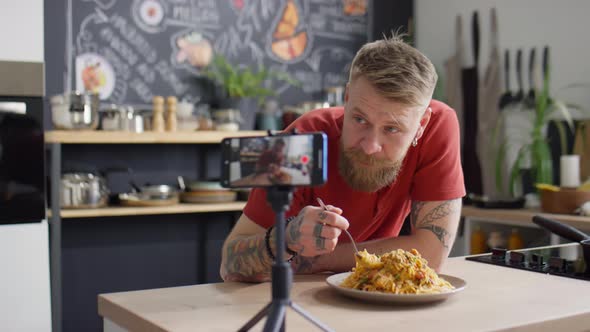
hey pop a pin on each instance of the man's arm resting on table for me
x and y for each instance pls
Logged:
(244, 256)
(434, 227)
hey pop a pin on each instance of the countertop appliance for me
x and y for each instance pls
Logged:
(566, 260)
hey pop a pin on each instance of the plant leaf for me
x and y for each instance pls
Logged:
(563, 109)
(541, 161)
(515, 170)
(562, 137)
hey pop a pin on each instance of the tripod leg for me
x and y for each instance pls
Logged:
(255, 319)
(276, 317)
(307, 316)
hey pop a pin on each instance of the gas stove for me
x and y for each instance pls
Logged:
(566, 260)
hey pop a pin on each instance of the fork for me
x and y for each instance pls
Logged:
(347, 233)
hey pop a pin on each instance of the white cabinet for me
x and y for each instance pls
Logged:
(24, 281)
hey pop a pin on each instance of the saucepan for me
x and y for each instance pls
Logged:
(568, 232)
(151, 192)
(149, 195)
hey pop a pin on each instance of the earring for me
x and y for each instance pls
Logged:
(415, 141)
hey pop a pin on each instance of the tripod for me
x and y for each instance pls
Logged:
(282, 276)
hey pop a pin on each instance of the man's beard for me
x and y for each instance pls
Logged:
(377, 174)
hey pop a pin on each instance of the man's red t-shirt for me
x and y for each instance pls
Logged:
(431, 171)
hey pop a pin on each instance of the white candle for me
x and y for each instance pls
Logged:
(570, 171)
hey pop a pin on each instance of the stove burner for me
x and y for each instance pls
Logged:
(562, 260)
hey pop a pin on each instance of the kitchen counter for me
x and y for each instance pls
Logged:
(495, 299)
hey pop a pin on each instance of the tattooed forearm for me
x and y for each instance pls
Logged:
(442, 234)
(294, 231)
(247, 260)
(303, 265)
(422, 219)
(416, 207)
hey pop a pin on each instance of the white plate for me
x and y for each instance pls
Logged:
(335, 280)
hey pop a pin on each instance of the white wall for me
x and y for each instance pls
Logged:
(21, 30)
(24, 248)
(563, 25)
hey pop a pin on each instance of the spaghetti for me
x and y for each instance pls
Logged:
(397, 272)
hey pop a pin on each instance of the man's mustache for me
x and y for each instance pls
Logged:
(359, 156)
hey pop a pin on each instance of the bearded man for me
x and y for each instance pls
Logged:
(392, 152)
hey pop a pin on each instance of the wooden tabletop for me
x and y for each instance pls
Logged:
(495, 299)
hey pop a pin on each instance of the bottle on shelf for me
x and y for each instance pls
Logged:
(515, 240)
(171, 121)
(478, 241)
(158, 117)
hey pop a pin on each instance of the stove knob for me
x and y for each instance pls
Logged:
(516, 257)
(536, 260)
(557, 264)
(498, 254)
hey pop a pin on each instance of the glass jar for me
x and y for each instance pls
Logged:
(227, 119)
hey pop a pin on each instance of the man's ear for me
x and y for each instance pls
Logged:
(423, 122)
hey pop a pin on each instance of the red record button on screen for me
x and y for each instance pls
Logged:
(304, 159)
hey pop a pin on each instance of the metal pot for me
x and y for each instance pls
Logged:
(75, 110)
(83, 190)
(154, 192)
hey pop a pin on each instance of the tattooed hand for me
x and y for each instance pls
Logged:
(315, 231)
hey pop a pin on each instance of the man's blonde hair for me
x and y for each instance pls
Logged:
(397, 70)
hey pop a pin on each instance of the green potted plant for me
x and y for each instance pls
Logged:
(242, 87)
(536, 149)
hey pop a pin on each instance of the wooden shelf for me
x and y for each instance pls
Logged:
(123, 137)
(522, 217)
(131, 211)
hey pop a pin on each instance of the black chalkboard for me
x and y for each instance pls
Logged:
(131, 50)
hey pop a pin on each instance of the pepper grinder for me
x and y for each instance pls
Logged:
(158, 120)
(171, 122)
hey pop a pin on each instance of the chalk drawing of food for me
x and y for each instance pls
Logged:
(354, 7)
(288, 23)
(95, 74)
(289, 40)
(92, 77)
(151, 12)
(149, 15)
(195, 49)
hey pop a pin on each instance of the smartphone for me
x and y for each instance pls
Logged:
(278, 160)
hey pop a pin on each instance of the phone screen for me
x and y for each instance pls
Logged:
(281, 160)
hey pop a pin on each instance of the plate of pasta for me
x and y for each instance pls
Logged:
(398, 276)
